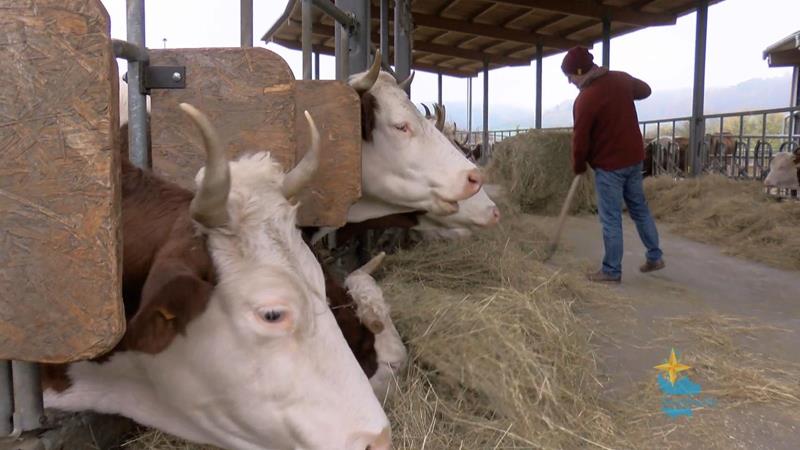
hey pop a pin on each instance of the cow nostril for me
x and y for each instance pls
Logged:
(383, 441)
(474, 177)
(496, 213)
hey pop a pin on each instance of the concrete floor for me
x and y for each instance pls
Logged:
(698, 280)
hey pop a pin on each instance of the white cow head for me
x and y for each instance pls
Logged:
(783, 170)
(474, 213)
(264, 365)
(407, 164)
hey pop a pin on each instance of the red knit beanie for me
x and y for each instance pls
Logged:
(578, 61)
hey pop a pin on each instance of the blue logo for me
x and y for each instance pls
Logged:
(681, 394)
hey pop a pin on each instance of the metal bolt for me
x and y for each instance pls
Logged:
(176, 76)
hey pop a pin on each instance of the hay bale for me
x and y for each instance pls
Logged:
(536, 171)
(735, 215)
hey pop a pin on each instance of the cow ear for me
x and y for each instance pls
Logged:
(169, 302)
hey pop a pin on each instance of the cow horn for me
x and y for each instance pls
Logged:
(439, 117)
(427, 111)
(304, 171)
(407, 82)
(365, 82)
(208, 206)
(373, 263)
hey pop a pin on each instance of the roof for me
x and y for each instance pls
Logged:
(456, 37)
(785, 52)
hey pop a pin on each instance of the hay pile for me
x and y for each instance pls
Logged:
(498, 357)
(536, 171)
(735, 215)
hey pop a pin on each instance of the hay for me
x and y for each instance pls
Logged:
(735, 215)
(536, 171)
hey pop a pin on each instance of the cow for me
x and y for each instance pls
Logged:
(407, 164)
(784, 171)
(243, 353)
(665, 155)
(475, 213)
(439, 119)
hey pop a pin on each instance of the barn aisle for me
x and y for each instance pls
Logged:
(702, 302)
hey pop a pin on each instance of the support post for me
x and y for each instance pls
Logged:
(359, 37)
(795, 99)
(697, 126)
(439, 87)
(539, 49)
(316, 65)
(402, 40)
(246, 23)
(6, 399)
(342, 53)
(305, 37)
(384, 32)
(28, 404)
(469, 110)
(486, 149)
(138, 134)
(606, 42)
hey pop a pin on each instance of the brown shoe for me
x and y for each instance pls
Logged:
(651, 266)
(602, 277)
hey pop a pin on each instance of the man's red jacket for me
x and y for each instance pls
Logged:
(606, 132)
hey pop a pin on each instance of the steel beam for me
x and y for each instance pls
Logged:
(342, 53)
(697, 125)
(246, 23)
(384, 41)
(538, 119)
(485, 150)
(138, 135)
(6, 399)
(439, 86)
(606, 42)
(316, 65)
(402, 40)
(345, 18)
(28, 404)
(359, 33)
(469, 108)
(305, 37)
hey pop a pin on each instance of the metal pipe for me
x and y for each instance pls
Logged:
(486, 150)
(246, 23)
(129, 52)
(402, 40)
(138, 135)
(316, 65)
(439, 86)
(359, 33)
(28, 403)
(606, 42)
(469, 109)
(539, 49)
(306, 37)
(6, 399)
(697, 125)
(385, 32)
(342, 53)
(345, 18)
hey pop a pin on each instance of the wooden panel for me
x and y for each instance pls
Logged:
(246, 93)
(59, 185)
(336, 109)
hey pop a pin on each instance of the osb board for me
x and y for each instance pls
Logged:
(60, 263)
(246, 93)
(336, 110)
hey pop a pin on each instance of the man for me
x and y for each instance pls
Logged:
(606, 136)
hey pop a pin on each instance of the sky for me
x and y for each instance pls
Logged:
(738, 32)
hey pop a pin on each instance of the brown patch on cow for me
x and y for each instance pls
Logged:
(360, 339)
(55, 377)
(369, 107)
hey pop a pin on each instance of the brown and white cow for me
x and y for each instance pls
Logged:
(407, 164)
(784, 171)
(247, 355)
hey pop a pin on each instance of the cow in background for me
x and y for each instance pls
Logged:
(666, 156)
(242, 353)
(784, 171)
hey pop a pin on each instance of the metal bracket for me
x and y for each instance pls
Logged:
(165, 77)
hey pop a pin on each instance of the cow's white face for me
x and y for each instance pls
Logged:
(476, 212)
(783, 171)
(407, 164)
(265, 365)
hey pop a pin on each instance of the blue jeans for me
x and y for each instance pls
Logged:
(612, 188)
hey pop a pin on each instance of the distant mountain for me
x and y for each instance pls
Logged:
(760, 93)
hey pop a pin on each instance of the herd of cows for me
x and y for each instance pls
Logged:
(237, 336)
(668, 155)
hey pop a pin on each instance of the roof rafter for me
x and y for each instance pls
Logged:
(589, 8)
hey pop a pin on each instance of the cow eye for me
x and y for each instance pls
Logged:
(402, 127)
(273, 315)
